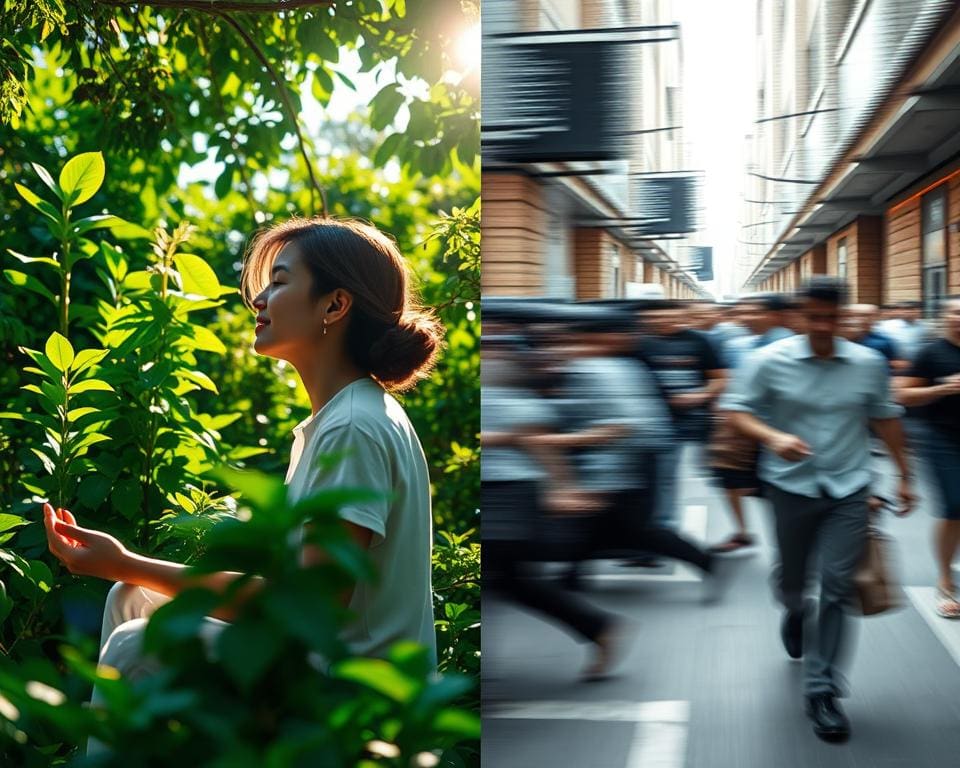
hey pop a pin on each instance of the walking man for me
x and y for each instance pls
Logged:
(819, 396)
(934, 386)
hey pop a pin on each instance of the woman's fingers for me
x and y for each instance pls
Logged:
(67, 516)
(56, 541)
(73, 533)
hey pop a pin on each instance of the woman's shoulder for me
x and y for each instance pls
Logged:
(368, 409)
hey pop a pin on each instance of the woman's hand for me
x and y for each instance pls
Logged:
(83, 551)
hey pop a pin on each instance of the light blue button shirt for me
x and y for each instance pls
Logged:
(827, 403)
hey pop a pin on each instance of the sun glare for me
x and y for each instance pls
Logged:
(467, 49)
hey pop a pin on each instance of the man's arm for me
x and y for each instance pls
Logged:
(891, 432)
(914, 391)
(785, 445)
(716, 383)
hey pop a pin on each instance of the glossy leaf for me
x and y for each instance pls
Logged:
(197, 276)
(90, 385)
(59, 351)
(22, 280)
(82, 176)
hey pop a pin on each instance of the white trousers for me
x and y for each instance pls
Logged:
(121, 638)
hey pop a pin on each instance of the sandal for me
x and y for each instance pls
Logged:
(947, 605)
(734, 544)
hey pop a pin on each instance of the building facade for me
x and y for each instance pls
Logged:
(576, 178)
(854, 164)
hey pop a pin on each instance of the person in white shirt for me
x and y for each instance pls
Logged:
(332, 298)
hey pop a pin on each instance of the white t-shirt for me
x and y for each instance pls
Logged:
(383, 454)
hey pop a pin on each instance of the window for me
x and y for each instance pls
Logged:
(615, 271)
(934, 246)
(842, 258)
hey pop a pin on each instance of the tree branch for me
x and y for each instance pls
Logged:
(218, 6)
(281, 87)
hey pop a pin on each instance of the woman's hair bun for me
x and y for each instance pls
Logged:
(407, 351)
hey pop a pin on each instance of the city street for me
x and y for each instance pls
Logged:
(711, 686)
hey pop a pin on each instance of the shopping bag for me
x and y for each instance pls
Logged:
(877, 588)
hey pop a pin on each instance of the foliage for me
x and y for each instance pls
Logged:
(267, 698)
(140, 93)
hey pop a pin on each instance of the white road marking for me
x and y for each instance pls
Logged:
(659, 737)
(947, 631)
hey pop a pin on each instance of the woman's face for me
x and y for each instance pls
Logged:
(289, 320)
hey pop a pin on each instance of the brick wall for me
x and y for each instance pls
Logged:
(512, 236)
(593, 270)
(866, 274)
(902, 274)
(953, 238)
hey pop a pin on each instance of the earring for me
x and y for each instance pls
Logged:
(324, 326)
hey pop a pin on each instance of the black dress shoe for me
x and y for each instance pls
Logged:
(791, 632)
(829, 722)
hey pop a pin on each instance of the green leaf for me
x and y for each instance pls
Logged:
(23, 280)
(100, 221)
(127, 497)
(201, 379)
(422, 124)
(6, 604)
(126, 230)
(231, 85)
(82, 176)
(86, 358)
(247, 650)
(321, 86)
(78, 413)
(380, 676)
(9, 522)
(345, 80)
(314, 36)
(205, 339)
(224, 183)
(180, 619)
(197, 276)
(90, 385)
(87, 440)
(48, 464)
(388, 149)
(384, 106)
(47, 179)
(59, 352)
(39, 203)
(94, 489)
(34, 259)
(138, 281)
(40, 359)
(458, 722)
(260, 490)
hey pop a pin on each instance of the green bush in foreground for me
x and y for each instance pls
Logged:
(260, 696)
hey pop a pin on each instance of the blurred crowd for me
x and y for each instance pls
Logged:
(589, 409)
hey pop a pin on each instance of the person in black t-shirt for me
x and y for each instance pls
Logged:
(691, 376)
(934, 384)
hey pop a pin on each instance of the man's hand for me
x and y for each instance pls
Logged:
(950, 385)
(571, 501)
(83, 551)
(789, 447)
(906, 496)
(688, 400)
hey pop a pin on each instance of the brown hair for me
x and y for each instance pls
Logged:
(390, 335)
